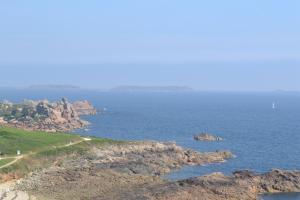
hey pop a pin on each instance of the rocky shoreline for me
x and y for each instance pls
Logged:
(242, 185)
(60, 116)
(133, 171)
(113, 171)
(127, 170)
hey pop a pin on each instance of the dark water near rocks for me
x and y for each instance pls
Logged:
(289, 196)
(262, 138)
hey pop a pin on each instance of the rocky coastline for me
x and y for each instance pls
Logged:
(120, 171)
(60, 116)
(127, 170)
(134, 170)
(242, 185)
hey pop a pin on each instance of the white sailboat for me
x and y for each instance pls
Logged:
(274, 106)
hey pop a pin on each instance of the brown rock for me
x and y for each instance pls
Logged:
(84, 108)
(50, 117)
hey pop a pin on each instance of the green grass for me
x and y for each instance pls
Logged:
(5, 161)
(12, 139)
(42, 149)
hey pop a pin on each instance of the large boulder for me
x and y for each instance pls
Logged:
(84, 108)
(43, 108)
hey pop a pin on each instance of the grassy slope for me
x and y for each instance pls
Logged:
(5, 161)
(42, 149)
(12, 140)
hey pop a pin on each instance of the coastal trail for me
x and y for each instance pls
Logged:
(17, 158)
(7, 191)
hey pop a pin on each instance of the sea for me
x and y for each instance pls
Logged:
(262, 129)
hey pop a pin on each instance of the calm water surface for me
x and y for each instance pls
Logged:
(290, 196)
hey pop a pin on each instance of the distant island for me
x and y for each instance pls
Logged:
(152, 89)
(54, 87)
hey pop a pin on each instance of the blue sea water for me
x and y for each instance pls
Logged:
(261, 137)
(286, 196)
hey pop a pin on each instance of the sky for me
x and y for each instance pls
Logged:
(208, 45)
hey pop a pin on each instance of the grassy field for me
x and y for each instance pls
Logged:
(5, 161)
(40, 149)
(12, 140)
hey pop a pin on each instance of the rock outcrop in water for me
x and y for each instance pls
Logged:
(84, 108)
(45, 116)
(242, 185)
(207, 137)
(154, 158)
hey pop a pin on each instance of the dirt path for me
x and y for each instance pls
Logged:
(7, 191)
(17, 158)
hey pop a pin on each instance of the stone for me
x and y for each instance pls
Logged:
(84, 108)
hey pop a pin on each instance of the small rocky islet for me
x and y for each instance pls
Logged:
(207, 137)
(129, 170)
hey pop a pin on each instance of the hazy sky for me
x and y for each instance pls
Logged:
(215, 44)
(251, 76)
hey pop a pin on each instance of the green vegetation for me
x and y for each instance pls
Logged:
(41, 149)
(11, 111)
(5, 161)
(12, 140)
(45, 158)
